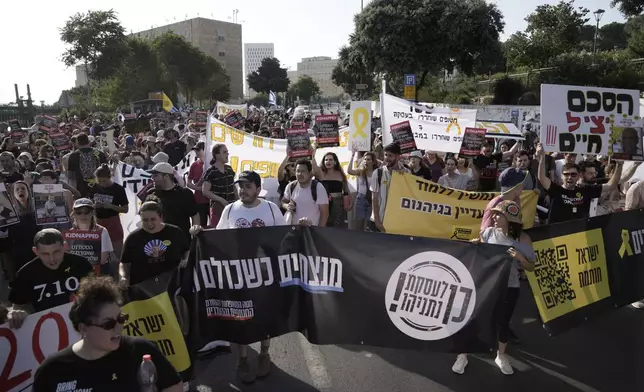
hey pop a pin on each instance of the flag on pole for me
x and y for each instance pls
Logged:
(272, 99)
(168, 106)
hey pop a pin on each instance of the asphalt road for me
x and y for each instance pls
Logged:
(601, 355)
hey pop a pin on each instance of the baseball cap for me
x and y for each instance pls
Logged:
(512, 178)
(150, 139)
(160, 157)
(162, 168)
(129, 140)
(160, 134)
(416, 154)
(26, 154)
(510, 210)
(83, 202)
(249, 176)
(199, 146)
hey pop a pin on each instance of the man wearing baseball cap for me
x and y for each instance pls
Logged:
(178, 203)
(251, 211)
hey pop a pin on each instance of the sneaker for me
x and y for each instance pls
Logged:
(638, 305)
(459, 365)
(263, 365)
(504, 364)
(244, 372)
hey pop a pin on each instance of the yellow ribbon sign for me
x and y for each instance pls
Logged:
(360, 120)
(626, 244)
(360, 126)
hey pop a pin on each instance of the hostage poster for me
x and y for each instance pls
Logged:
(49, 204)
(299, 143)
(327, 131)
(85, 243)
(8, 215)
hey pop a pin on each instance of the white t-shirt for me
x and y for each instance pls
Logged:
(305, 207)
(106, 241)
(363, 184)
(238, 216)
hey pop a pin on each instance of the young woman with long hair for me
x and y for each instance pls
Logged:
(507, 230)
(362, 208)
(330, 174)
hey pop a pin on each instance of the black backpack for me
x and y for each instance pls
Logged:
(314, 189)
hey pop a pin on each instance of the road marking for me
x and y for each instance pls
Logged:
(315, 364)
(516, 364)
(545, 360)
(577, 384)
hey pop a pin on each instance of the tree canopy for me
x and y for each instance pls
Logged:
(306, 88)
(350, 71)
(270, 76)
(629, 7)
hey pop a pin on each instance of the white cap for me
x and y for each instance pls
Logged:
(162, 167)
(161, 133)
(160, 157)
(26, 154)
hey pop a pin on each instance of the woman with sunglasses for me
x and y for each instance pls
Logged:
(84, 222)
(103, 360)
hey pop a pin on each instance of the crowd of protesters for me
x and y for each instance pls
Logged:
(311, 193)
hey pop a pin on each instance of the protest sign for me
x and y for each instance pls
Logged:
(299, 143)
(46, 123)
(17, 134)
(473, 140)
(234, 118)
(8, 215)
(327, 130)
(576, 119)
(434, 128)
(404, 136)
(49, 204)
(626, 143)
(201, 118)
(360, 126)
(223, 109)
(419, 207)
(45, 333)
(60, 141)
(85, 243)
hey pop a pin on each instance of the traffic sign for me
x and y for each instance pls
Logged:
(410, 80)
(410, 92)
(361, 86)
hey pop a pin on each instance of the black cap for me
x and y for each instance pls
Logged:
(249, 176)
(199, 146)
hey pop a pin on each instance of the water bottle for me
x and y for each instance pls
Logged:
(147, 375)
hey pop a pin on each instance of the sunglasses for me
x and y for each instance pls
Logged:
(84, 211)
(109, 324)
(570, 174)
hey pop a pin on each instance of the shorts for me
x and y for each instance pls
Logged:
(362, 208)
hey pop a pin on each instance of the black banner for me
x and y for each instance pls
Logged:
(344, 287)
(587, 267)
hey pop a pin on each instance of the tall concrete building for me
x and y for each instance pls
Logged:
(320, 69)
(220, 40)
(253, 56)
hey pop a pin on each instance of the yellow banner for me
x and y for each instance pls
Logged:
(154, 320)
(422, 208)
(570, 273)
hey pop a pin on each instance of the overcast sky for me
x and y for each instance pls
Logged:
(298, 28)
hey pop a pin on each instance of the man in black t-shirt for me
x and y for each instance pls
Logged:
(83, 163)
(48, 280)
(175, 148)
(486, 166)
(570, 201)
(178, 203)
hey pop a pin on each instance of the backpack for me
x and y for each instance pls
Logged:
(88, 163)
(314, 189)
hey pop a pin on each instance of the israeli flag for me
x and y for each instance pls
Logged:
(272, 99)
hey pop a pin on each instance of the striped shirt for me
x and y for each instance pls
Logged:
(222, 184)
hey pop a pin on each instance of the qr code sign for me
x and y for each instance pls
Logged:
(553, 276)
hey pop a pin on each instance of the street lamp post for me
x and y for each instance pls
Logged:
(598, 16)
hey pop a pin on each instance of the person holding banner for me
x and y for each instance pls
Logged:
(380, 182)
(305, 198)
(103, 360)
(251, 211)
(48, 280)
(507, 230)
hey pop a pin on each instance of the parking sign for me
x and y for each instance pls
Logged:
(410, 79)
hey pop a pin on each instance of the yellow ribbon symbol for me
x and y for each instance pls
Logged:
(626, 244)
(454, 124)
(360, 120)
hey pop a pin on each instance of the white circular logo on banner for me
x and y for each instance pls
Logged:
(430, 296)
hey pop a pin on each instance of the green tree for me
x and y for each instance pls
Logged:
(95, 39)
(216, 82)
(350, 71)
(270, 76)
(552, 30)
(612, 36)
(629, 7)
(306, 88)
(424, 37)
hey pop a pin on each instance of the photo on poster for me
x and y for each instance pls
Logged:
(404, 136)
(49, 204)
(327, 130)
(473, 140)
(626, 144)
(299, 143)
(8, 215)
